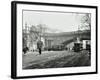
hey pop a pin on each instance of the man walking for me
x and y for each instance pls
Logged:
(39, 46)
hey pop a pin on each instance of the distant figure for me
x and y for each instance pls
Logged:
(25, 50)
(39, 46)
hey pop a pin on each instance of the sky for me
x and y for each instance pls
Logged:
(60, 22)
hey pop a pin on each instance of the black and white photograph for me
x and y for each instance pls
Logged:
(53, 39)
(56, 39)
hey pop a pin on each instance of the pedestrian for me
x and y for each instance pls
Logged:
(25, 50)
(39, 46)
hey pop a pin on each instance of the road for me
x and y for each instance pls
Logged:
(55, 59)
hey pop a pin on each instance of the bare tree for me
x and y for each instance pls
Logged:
(33, 35)
(86, 22)
(42, 28)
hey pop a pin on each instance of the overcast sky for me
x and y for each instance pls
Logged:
(63, 22)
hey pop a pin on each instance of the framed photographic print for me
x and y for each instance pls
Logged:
(50, 39)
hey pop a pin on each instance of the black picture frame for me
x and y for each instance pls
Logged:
(14, 38)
